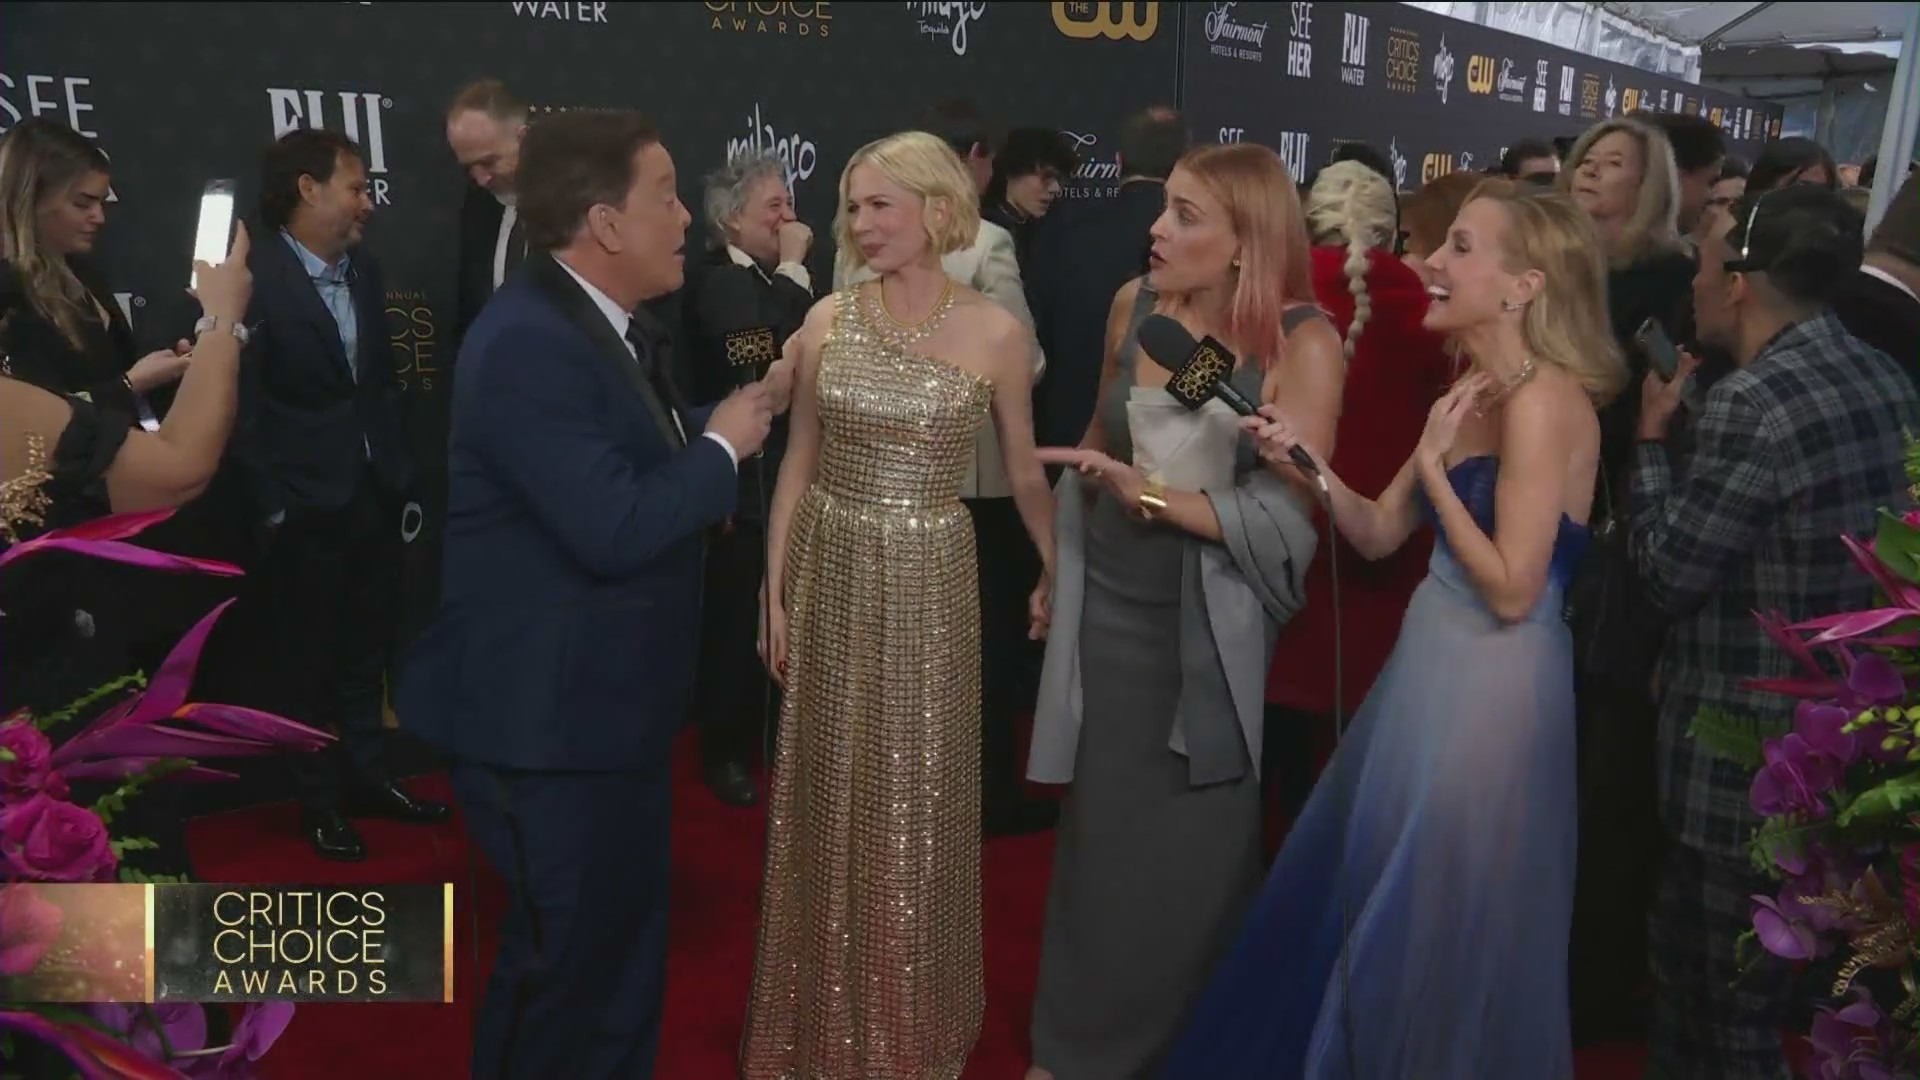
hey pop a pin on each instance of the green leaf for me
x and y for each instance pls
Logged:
(1736, 739)
(1885, 800)
(1776, 836)
(137, 680)
(132, 843)
(6, 754)
(115, 801)
(1898, 546)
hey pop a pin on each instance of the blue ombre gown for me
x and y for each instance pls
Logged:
(1439, 845)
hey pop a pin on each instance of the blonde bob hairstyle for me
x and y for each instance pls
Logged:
(1566, 323)
(1654, 227)
(926, 166)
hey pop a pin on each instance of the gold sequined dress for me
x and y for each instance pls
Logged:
(868, 965)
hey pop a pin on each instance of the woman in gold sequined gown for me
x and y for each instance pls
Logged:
(868, 965)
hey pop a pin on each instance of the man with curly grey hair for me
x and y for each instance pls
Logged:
(752, 276)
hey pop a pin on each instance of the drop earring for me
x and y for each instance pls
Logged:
(1508, 305)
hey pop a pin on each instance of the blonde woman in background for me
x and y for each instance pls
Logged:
(1415, 923)
(868, 965)
(1396, 370)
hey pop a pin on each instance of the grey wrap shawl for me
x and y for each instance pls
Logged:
(1234, 597)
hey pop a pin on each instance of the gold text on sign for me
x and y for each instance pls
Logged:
(1113, 21)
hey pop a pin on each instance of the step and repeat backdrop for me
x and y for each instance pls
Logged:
(1434, 93)
(182, 93)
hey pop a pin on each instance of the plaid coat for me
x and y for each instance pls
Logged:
(1802, 445)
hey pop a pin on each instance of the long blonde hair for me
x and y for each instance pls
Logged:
(925, 165)
(1566, 324)
(1352, 206)
(42, 159)
(1654, 227)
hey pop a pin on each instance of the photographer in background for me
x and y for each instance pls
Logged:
(752, 277)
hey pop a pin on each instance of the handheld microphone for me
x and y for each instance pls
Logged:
(1201, 371)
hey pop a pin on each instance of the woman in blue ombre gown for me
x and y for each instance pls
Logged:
(1438, 848)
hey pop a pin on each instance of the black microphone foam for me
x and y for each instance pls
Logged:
(730, 304)
(1200, 371)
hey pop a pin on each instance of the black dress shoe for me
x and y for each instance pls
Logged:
(732, 784)
(333, 836)
(390, 801)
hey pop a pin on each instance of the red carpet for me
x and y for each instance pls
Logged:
(716, 868)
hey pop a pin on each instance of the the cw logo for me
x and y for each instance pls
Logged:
(1113, 21)
(1629, 100)
(1435, 166)
(1480, 75)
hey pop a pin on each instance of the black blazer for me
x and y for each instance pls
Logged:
(305, 425)
(480, 215)
(1883, 316)
(37, 352)
(1083, 252)
(576, 516)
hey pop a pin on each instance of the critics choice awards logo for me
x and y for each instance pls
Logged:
(947, 22)
(574, 13)
(1232, 39)
(353, 113)
(1403, 60)
(23, 97)
(415, 341)
(795, 151)
(780, 20)
(1121, 21)
(1590, 97)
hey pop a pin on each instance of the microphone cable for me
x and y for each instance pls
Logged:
(1341, 883)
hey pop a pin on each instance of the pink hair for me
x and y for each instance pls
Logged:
(1276, 264)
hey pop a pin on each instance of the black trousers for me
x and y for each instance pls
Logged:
(1008, 568)
(731, 701)
(327, 600)
(579, 979)
(1288, 740)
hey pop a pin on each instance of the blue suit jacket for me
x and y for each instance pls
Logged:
(570, 598)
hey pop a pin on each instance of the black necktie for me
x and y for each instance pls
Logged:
(653, 349)
(516, 249)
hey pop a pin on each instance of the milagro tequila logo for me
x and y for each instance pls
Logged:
(64, 96)
(1399, 162)
(795, 151)
(1232, 39)
(949, 21)
(1099, 173)
(353, 113)
(1443, 70)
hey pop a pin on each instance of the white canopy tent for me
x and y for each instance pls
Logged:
(1670, 37)
(1732, 25)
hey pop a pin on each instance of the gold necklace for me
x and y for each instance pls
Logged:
(922, 328)
(1507, 386)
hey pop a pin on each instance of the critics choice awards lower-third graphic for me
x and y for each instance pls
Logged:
(228, 943)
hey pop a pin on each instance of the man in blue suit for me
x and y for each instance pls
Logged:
(557, 671)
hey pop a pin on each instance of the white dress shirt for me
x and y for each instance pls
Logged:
(792, 271)
(507, 220)
(619, 318)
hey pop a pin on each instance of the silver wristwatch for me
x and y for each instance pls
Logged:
(212, 322)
